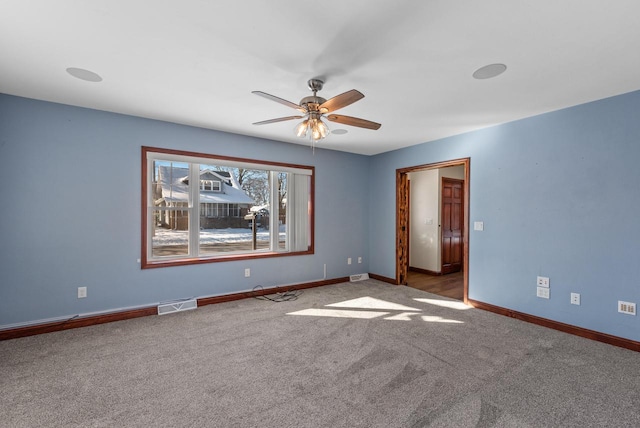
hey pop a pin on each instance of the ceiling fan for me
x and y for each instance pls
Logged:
(316, 108)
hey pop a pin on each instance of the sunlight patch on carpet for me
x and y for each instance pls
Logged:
(445, 304)
(440, 319)
(404, 316)
(372, 303)
(370, 308)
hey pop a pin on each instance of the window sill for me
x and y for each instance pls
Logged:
(151, 264)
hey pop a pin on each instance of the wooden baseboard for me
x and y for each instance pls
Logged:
(425, 271)
(383, 278)
(566, 328)
(32, 330)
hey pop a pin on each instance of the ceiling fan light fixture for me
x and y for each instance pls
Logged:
(319, 129)
(302, 128)
(314, 127)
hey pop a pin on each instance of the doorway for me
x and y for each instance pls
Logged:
(453, 251)
(450, 285)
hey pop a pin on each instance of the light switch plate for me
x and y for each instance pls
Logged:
(543, 281)
(478, 225)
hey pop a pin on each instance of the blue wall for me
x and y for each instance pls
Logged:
(70, 182)
(559, 197)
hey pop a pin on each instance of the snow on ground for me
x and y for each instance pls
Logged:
(213, 236)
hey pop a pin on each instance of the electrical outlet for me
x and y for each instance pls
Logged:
(82, 292)
(628, 308)
(349, 260)
(543, 281)
(359, 259)
(247, 273)
(543, 292)
(575, 298)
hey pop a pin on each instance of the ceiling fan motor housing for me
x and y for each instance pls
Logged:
(312, 102)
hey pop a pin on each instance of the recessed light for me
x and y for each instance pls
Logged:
(339, 131)
(82, 74)
(489, 71)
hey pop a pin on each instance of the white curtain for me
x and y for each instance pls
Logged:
(298, 212)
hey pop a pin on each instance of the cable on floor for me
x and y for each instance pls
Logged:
(285, 296)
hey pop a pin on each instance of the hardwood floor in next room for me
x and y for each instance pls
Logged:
(450, 285)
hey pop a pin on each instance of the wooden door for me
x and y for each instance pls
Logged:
(452, 225)
(402, 227)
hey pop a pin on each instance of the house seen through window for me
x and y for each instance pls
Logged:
(238, 208)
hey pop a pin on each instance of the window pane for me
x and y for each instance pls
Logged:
(170, 183)
(170, 233)
(223, 227)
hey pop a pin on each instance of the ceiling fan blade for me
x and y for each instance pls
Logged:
(340, 101)
(279, 100)
(353, 121)
(280, 119)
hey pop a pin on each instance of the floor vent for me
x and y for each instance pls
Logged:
(184, 305)
(359, 277)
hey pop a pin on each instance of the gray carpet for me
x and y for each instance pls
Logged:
(251, 363)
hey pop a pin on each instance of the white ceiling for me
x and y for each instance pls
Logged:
(196, 62)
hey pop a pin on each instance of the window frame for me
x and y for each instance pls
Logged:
(193, 157)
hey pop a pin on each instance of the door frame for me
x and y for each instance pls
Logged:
(402, 219)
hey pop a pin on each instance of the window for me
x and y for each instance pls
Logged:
(238, 208)
(211, 185)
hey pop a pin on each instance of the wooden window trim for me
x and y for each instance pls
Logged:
(149, 264)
